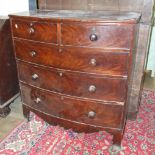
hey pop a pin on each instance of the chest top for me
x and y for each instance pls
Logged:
(79, 15)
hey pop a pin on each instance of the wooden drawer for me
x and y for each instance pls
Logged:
(107, 36)
(75, 84)
(38, 31)
(82, 111)
(110, 62)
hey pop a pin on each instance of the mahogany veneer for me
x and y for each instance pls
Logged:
(75, 67)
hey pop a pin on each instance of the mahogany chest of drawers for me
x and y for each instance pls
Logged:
(74, 67)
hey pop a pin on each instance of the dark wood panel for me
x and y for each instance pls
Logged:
(75, 5)
(76, 84)
(100, 61)
(53, 4)
(72, 108)
(102, 5)
(32, 30)
(8, 72)
(148, 11)
(108, 36)
(143, 6)
(136, 85)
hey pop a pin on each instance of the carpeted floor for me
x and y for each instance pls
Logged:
(39, 138)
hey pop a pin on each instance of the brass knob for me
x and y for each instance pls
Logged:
(93, 62)
(35, 77)
(16, 26)
(92, 88)
(37, 100)
(31, 30)
(93, 37)
(33, 53)
(60, 74)
(91, 114)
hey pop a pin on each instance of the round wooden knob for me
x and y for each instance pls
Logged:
(93, 37)
(92, 88)
(37, 100)
(35, 77)
(93, 62)
(33, 53)
(31, 30)
(91, 114)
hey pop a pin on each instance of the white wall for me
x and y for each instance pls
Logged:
(13, 6)
(151, 56)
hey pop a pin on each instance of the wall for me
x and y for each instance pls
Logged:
(13, 6)
(151, 56)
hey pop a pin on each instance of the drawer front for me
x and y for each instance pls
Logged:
(38, 31)
(83, 111)
(108, 36)
(110, 62)
(39, 77)
(75, 84)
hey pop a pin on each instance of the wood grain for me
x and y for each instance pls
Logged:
(46, 32)
(112, 62)
(108, 36)
(143, 6)
(76, 84)
(73, 109)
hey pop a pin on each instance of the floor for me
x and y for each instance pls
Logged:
(12, 120)
(149, 82)
(15, 117)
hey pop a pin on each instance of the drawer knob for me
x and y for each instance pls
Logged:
(60, 74)
(92, 88)
(93, 62)
(35, 77)
(37, 100)
(31, 30)
(33, 53)
(93, 37)
(16, 26)
(91, 114)
(60, 50)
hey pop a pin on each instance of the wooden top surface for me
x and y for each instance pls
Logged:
(79, 15)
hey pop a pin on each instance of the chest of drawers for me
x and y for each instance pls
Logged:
(74, 68)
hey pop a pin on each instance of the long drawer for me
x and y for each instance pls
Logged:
(107, 35)
(75, 84)
(110, 62)
(38, 31)
(83, 111)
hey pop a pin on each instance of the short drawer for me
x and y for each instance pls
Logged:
(83, 111)
(109, 62)
(107, 36)
(38, 31)
(74, 84)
